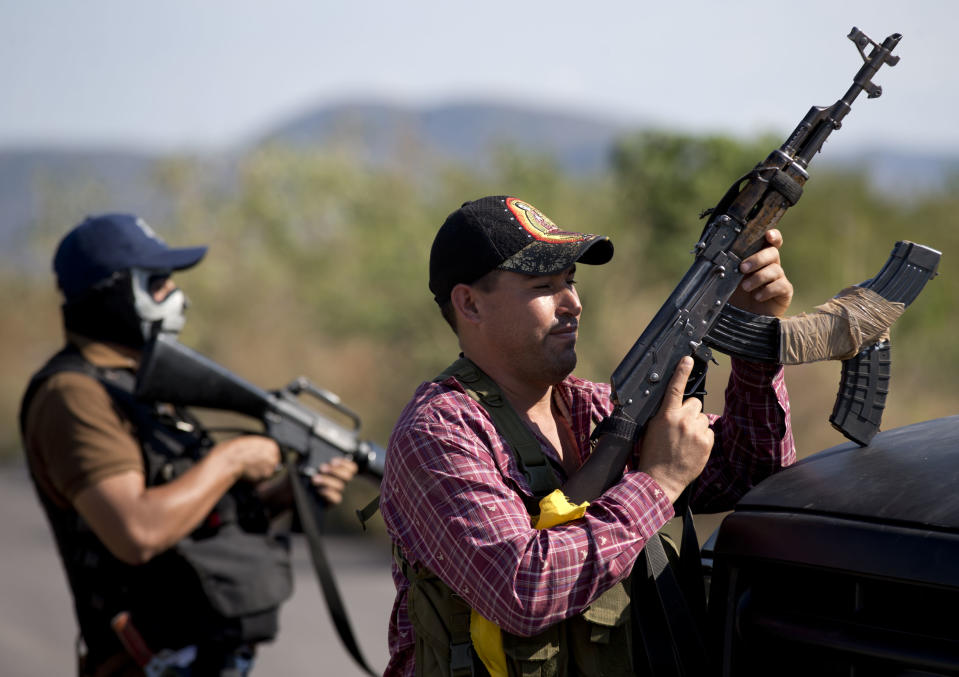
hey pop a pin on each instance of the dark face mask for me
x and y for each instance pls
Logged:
(106, 313)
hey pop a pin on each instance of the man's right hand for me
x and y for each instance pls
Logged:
(678, 439)
(256, 457)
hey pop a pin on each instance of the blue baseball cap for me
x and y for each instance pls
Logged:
(105, 244)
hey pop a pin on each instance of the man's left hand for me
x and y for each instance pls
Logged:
(331, 479)
(765, 290)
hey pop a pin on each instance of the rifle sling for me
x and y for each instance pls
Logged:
(526, 448)
(308, 508)
(669, 604)
(683, 653)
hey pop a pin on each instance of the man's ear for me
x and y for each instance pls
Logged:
(463, 298)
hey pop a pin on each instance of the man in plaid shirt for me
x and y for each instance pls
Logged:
(453, 493)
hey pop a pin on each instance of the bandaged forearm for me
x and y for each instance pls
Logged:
(839, 329)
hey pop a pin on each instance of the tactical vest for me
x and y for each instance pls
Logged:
(222, 585)
(595, 642)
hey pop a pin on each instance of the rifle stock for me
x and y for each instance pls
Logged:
(173, 373)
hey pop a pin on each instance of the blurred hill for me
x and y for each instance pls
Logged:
(33, 181)
(373, 133)
(463, 132)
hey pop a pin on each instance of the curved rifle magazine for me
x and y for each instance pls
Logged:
(864, 382)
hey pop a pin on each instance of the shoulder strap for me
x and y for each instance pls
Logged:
(669, 608)
(118, 382)
(68, 359)
(526, 448)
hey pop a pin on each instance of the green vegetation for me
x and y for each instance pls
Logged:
(318, 266)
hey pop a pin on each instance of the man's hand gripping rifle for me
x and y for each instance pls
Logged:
(736, 229)
(173, 373)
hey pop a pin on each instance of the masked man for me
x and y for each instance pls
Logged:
(168, 539)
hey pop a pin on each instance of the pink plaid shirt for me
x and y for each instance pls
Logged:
(451, 500)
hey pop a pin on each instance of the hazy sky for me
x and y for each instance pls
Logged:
(207, 74)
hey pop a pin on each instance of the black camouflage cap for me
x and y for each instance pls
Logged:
(506, 233)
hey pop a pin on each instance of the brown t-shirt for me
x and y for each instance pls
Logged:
(75, 436)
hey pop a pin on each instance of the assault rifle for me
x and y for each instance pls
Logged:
(173, 373)
(696, 318)
(736, 229)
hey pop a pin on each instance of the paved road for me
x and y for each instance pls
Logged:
(37, 627)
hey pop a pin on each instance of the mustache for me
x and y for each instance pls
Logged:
(562, 327)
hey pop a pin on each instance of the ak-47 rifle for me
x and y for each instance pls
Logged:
(736, 229)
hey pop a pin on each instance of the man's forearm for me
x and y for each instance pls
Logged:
(136, 523)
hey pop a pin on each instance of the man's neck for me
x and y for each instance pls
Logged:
(534, 403)
(524, 396)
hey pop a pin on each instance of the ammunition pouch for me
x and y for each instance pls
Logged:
(441, 620)
(596, 643)
(244, 578)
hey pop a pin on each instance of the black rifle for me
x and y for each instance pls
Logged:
(670, 632)
(736, 229)
(175, 374)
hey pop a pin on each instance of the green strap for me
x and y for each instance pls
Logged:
(526, 448)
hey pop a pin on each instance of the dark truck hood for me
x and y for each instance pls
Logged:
(906, 476)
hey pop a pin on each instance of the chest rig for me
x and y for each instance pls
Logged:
(595, 642)
(222, 584)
